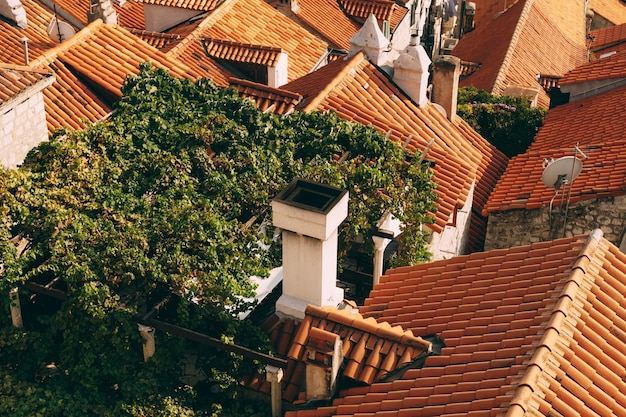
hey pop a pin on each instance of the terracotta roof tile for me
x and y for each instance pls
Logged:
(16, 79)
(567, 360)
(241, 52)
(612, 10)
(382, 9)
(201, 5)
(326, 18)
(461, 155)
(610, 67)
(230, 22)
(129, 15)
(157, 39)
(608, 39)
(596, 124)
(527, 40)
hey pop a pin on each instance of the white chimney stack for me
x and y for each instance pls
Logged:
(410, 72)
(309, 215)
(102, 9)
(372, 41)
(14, 11)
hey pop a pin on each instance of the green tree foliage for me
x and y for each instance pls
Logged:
(151, 204)
(507, 122)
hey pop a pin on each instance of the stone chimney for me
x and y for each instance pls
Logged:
(14, 11)
(277, 75)
(446, 70)
(372, 41)
(410, 72)
(323, 355)
(309, 215)
(102, 9)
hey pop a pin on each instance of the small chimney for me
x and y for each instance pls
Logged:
(14, 11)
(278, 75)
(446, 69)
(470, 11)
(323, 358)
(102, 9)
(410, 71)
(372, 41)
(309, 215)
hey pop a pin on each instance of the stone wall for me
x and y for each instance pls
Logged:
(22, 128)
(521, 227)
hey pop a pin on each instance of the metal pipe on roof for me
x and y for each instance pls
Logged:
(25, 41)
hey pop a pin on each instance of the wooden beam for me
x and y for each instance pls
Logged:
(41, 289)
(211, 341)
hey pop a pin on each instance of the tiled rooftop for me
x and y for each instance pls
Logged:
(130, 15)
(371, 350)
(612, 38)
(239, 52)
(358, 91)
(534, 330)
(597, 126)
(15, 79)
(612, 10)
(251, 22)
(268, 99)
(527, 40)
(611, 67)
(201, 5)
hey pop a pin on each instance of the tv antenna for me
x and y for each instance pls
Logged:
(558, 174)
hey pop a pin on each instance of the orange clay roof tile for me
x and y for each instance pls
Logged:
(16, 79)
(524, 41)
(201, 5)
(371, 349)
(565, 358)
(358, 91)
(157, 39)
(607, 39)
(129, 15)
(326, 18)
(241, 52)
(610, 67)
(231, 22)
(596, 125)
(612, 10)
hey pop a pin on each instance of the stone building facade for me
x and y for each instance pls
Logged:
(520, 227)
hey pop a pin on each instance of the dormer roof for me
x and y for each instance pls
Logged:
(16, 80)
(130, 15)
(200, 5)
(533, 330)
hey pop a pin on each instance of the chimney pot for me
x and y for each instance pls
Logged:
(446, 69)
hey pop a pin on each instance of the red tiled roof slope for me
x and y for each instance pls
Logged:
(606, 40)
(107, 54)
(130, 15)
(612, 10)
(203, 5)
(535, 330)
(597, 125)
(371, 350)
(254, 22)
(15, 79)
(382, 9)
(325, 17)
(157, 39)
(268, 99)
(240, 52)
(515, 47)
(360, 92)
(610, 67)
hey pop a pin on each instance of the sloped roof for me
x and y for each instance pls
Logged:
(611, 67)
(533, 330)
(242, 52)
(597, 126)
(360, 92)
(252, 22)
(612, 10)
(338, 20)
(15, 79)
(129, 15)
(157, 39)
(512, 49)
(268, 99)
(612, 38)
(371, 350)
(201, 5)
(107, 54)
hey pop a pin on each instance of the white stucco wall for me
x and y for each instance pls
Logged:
(22, 127)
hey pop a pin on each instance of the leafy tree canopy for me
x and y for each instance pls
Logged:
(507, 122)
(153, 202)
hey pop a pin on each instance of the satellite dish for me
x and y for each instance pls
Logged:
(563, 170)
(60, 31)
